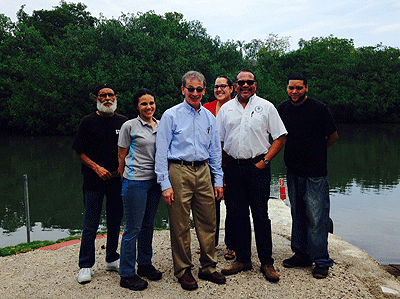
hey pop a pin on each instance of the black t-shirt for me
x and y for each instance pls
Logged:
(308, 126)
(97, 138)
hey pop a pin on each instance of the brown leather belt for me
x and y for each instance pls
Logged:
(188, 163)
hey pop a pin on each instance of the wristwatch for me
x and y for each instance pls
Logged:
(266, 161)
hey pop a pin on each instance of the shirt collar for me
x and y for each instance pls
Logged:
(190, 108)
(145, 123)
(249, 102)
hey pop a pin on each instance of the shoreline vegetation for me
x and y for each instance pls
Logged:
(57, 56)
(29, 246)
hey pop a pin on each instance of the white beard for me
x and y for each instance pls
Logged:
(107, 109)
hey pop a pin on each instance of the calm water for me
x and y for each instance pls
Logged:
(364, 174)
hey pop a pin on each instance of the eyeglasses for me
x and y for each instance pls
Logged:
(192, 89)
(297, 87)
(220, 86)
(243, 82)
(105, 95)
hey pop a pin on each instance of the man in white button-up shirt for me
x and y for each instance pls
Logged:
(245, 124)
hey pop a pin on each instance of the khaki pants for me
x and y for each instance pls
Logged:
(192, 190)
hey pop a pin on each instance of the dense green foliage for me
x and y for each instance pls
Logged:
(50, 60)
(359, 85)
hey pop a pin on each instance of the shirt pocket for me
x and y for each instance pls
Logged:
(205, 135)
(257, 119)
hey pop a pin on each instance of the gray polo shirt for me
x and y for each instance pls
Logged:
(140, 138)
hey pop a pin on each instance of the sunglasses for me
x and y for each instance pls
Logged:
(220, 86)
(105, 95)
(243, 82)
(192, 89)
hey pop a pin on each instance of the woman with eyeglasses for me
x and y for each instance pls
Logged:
(140, 192)
(223, 89)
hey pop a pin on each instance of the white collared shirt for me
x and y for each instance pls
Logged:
(245, 131)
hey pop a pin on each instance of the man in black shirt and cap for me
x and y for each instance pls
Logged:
(96, 147)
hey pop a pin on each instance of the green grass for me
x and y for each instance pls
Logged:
(25, 247)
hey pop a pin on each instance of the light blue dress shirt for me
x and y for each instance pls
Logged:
(189, 135)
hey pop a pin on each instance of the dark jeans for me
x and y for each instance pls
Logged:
(93, 201)
(249, 187)
(309, 200)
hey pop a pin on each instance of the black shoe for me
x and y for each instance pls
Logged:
(320, 272)
(295, 262)
(134, 283)
(149, 272)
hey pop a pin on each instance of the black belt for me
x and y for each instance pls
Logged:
(188, 163)
(248, 161)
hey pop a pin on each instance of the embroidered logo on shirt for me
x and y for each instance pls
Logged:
(258, 109)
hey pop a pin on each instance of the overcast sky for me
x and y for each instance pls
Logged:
(367, 22)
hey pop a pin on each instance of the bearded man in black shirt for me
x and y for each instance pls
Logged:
(96, 147)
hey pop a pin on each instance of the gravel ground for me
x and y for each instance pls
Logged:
(53, 273)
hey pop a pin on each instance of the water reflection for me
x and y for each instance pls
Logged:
(367, 154)
(55, 187)
(369, 219)
(53, 179)
(364, 175)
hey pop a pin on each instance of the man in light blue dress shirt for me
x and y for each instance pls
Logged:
(187, 147)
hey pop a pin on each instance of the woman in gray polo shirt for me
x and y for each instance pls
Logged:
(140, 192)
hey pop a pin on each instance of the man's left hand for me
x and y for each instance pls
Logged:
(219, 191)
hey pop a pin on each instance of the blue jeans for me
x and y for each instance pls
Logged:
(141, 199)
(249, 187)
(93, 202)
(309, 200)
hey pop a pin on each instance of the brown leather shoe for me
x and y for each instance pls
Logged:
(236, 267)
(214, 277)
(187, 281)
(270, 273)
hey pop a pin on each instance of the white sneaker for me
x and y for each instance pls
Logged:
(113, 266)
(85, 275)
